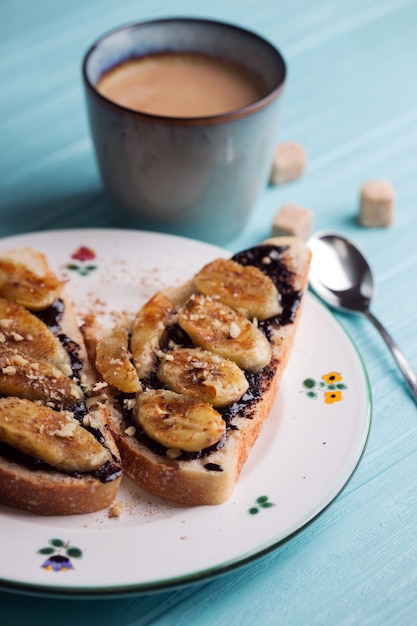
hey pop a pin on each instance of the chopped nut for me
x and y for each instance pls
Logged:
(130, 431)
(66, 430)
(16, 336)
(116, 509)
(114, 361)
(19, 359)
(94, 400)
(99, 386)
(173, 453)
(129, 403)
(9, 370)
(234, 330)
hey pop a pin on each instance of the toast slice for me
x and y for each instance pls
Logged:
(57, 455)
(193, 376)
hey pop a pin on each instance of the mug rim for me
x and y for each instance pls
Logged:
(217, 118)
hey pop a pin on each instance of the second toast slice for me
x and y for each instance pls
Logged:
(194, 374)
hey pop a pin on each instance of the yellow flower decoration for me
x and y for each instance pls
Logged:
(332, 396)
(332, 377)
(330, 385)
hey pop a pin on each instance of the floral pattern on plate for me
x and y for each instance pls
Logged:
(331, 385)
(59, 554)
(83, 255)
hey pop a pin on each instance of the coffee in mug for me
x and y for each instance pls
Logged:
(182, 85)
(193, 171)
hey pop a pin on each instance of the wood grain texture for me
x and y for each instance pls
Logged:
(351, 101)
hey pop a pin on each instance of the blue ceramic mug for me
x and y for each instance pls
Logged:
(199, 176)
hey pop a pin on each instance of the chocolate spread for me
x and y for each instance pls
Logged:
(51, 317)
(281, 276)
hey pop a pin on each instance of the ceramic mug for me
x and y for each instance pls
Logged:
(198, 177)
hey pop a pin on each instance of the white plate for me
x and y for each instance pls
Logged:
(304, 456)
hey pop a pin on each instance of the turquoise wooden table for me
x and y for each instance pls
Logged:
(350, 100)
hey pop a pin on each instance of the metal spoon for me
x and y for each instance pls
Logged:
(342, 277)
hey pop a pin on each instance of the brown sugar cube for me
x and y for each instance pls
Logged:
(293, 220)
(376, 203)
(288, 164)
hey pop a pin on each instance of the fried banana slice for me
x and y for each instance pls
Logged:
(218, 328)
(56, 438)
(177, 421)
(201, 374)
(24, 331)
(148, 329)
(24, 377)
(25, 278)
(113, 361)
(244, 288)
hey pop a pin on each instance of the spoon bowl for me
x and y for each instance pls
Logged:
(342, 277)
(339, 273)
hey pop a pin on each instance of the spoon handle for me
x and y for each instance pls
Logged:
(408, 372)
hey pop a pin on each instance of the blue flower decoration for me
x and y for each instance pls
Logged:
(57, 563)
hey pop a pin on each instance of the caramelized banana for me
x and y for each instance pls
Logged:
(147, 332)
(55, 438)
(244, 288)
(201, 374)
(22, 376)
(26, 278)
(177, 421)
(218, 328)
(24, 331)
(113, 361)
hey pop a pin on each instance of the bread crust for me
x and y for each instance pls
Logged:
(52, 493)
(49, 491)
(189, 482)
